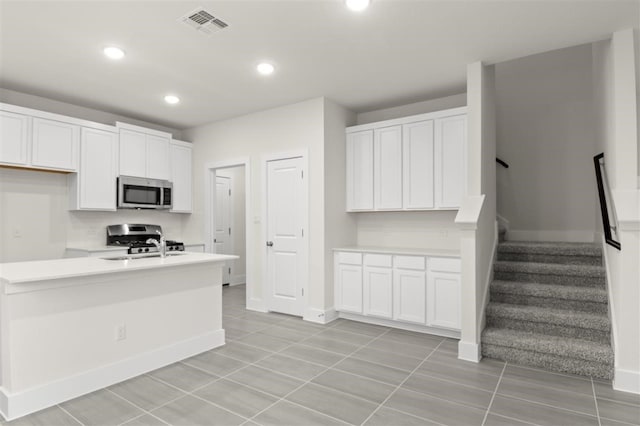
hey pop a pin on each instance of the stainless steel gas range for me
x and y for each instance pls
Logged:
(140, 238)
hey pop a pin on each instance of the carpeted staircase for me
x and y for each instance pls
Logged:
(548, 308)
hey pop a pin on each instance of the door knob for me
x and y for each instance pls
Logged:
(269, 243)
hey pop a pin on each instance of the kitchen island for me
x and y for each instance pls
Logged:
(72, 326)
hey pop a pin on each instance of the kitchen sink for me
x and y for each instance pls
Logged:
(142, 256)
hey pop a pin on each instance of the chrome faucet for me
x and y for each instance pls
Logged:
(161, 244)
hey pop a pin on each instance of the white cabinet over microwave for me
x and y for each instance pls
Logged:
(144, 152)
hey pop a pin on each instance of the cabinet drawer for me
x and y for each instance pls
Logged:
(409, 262)
(444, 264)
(383, 260)
(350, 258)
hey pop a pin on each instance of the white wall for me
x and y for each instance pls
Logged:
(616, 127)
(547, 135)
(45, 104)
(280, 130)
(340, 227)
(422, 107)
(238, 223)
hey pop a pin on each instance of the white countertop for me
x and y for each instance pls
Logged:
(401, 251)
(45, 270)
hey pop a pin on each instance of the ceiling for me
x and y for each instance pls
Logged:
(394, 53)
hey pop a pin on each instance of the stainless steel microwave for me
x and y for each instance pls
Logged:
(142, 193)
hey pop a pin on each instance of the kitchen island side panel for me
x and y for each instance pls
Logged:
(63, 331)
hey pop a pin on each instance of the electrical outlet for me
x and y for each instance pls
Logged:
(121, 332)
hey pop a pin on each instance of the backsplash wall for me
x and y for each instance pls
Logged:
(35, 222)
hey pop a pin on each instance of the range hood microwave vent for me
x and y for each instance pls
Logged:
(203, 21)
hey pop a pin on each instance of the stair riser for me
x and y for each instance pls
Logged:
(550, 279)
(550, 329)
(550, 258)
(549, 362)
(546, 302)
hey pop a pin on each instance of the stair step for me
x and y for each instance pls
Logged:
(575, 275)
(562, 354)
(579, 298)
(546, 253)
(550, 321)
(551, 248)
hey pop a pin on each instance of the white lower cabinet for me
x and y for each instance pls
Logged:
(378, 291)
(443, 293)
(409, 295)
(418, 290)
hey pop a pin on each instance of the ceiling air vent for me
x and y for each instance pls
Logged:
(204, 22)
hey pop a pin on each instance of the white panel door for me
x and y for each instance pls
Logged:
(450, 170)
(409, 296)
(360, 171)
(387, 168)
(157, 157)
(133, 153)
(14, 138)
(378, 291)
(417, 165)
(286, 246)
(443, 300)
(55, 144)
(98, 169)
(222, 238)
(349, 288)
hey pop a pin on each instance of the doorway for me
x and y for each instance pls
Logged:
(226, 206)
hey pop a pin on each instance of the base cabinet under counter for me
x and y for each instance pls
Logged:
(417, 292)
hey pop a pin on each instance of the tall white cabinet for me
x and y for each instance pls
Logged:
(181, 157)
(419, 163)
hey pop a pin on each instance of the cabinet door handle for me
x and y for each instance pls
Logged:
(269, 243)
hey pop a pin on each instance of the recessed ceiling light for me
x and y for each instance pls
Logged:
(357, 5)
(265, 68)
(171, 99)
(113, 52)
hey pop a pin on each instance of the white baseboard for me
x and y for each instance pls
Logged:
(14, 405)
(626, 380)
(320, 316)
(558, 236)
(401, 325)
(256, 305)
(468, 351)
(237, 280)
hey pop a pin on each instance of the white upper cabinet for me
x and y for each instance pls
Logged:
(360, 171)
(55, 144)
(387, 168)
(450, 167)
(94, 186)
(39, 140)
(14, 138)
(144, 152)
(411, 163)
(417, 179)
(181, 158)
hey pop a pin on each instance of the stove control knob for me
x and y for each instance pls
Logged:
(139, 250)
(147, 249)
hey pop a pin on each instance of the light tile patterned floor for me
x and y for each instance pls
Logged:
(279, 370)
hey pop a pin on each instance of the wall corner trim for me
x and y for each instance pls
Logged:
(468, 351)
(320, 316)
(626, 380)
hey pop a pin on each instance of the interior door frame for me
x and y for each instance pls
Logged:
(304, 154)
(230, 242)
(209, 209)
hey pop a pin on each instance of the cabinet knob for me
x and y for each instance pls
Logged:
(269, 243)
